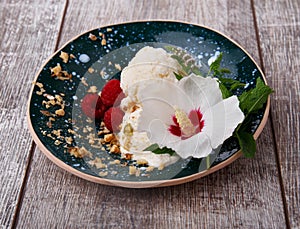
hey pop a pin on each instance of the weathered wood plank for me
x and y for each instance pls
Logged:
(246, 194)
(279, 26)
(28, 33)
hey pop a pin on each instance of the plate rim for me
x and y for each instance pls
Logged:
(141, 184)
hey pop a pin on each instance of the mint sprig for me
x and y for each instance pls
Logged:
(250, 103)
(155, 149)
(254, 99)
(216, 69)
(185, 60)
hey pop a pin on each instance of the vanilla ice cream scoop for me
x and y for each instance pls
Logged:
(148, 63)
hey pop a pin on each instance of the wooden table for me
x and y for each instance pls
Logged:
(250, 193)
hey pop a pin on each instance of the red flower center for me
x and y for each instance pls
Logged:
(195, 117)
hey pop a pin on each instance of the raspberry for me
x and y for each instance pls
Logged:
(92, 106)
(113, 117)
(110, 92)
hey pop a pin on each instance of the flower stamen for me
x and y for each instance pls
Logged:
(185, 124)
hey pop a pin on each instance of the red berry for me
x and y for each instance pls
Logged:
(92, 106)
(113, 117)
(110, 92)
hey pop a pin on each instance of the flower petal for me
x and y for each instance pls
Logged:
(197, 146)
(221, 120)
(158, 100)
(204, 92)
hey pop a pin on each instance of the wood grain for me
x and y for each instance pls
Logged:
(280, 42)
(28, 34)
(245, 194)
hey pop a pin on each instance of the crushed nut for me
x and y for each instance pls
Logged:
(59, 73)
(79, 152)
(64, 56)
(114, 149)
(115, 162)
(128, 156)
(142, 162)
(92, 89)
(118, 67)
(92, 37)
(46, 113)
(132, 170)
(60, 112)
(150, 169)
(91, 70)
(103, 42)
(108, 137)
(161, 167)
(57, 142)
(103, 174)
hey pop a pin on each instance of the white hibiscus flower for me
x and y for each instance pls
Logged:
(189, 116)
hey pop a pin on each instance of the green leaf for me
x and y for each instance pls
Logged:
(178, 76)
(152, 147)
(225, 92)
(247, 143)
(254, 99)
(155, 149)
(215, 67)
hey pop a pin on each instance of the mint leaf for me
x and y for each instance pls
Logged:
(152, 147)
(247, 143)
(155, 149)
(185, 60)
(178, 76)
(225, 92)
(227, 86)
(254, 99)
(215, 67)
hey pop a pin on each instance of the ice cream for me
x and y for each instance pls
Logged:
(148, 63)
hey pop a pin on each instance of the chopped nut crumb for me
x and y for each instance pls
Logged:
(69, 140)
(83, 81)
(64, 56)
(150, 169)
(91, 70)
(142, 162)
(79, 152)
(60, 112)
(92, 37)
(108, 137)
(46, 113)
(117, 66)
(92, 89)
(132, 170)
(59, 73)
(103, 174)
(128, 156)
(161, 167)
(71, 131)
(40, 85)
(115, 162)
(103, 42)
(114, 149)
(57, 142)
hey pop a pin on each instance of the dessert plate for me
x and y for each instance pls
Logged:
(87, 62)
